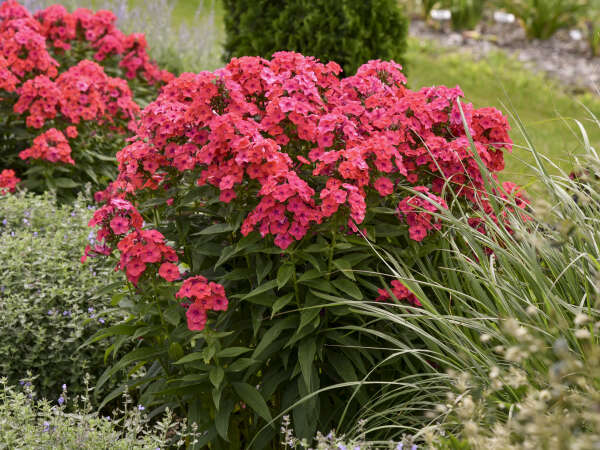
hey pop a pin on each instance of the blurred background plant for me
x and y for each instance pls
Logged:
(542, 18)
(349, 32)
(466, 14)
(590, 22)
(182, 36)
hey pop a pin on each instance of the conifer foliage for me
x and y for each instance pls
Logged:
(350, 32)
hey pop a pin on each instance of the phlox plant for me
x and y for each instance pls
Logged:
(239, 216)
(70, 84)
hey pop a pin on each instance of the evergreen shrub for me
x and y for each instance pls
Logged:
(350, 32)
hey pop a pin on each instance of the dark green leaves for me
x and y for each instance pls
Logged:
(348, 287)
(306, 355)
(232, 352)
(216, 229)
(253, 399)
(284, 274)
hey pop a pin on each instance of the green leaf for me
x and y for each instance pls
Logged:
(266, 299)
(273, 333)
(240, 273)
(173, 315)
(382, 210)
(316, 263)
(222, 418)
(281, 303)
(116, 298)
(216, 396)
(307, 316)
(241, 364)
(196, 356)
(345, 266)
(253, 399)
(311, 274)
(284, 274)
(106, 289)
(232, 352)
(263, 269)
(321, 285)
(215, 229)
(208, 249)
(216, 375)
(316, 248)
(102, 157)
(226, 254)
(175, 350)
(139, 354)
(348, 287)
(261, 289)
(306, 356)
(66, 183)
(116, 330)
(342, 366)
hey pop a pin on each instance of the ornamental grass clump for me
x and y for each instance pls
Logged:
(237, 218)
(70, 88)
(509, 320)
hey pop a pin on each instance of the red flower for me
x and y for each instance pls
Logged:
(384, 186)
(205, 295)
(8, 181)
(400, 291)
(71, 132)
(120, 225)
(169, 271)
(196, 317)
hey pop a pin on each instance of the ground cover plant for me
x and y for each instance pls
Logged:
(31, 422)
(71, 83)
(48, 302)
(257, 186)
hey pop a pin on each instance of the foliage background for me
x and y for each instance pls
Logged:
(349, 32)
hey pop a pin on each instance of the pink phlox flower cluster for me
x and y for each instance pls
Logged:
(205, 296)
(290, 122)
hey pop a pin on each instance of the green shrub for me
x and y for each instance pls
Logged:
(29, 423)
(542, 18)
(46, 295)
(590, 21)
(466, 14)
(350, 32)
(427, 6)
